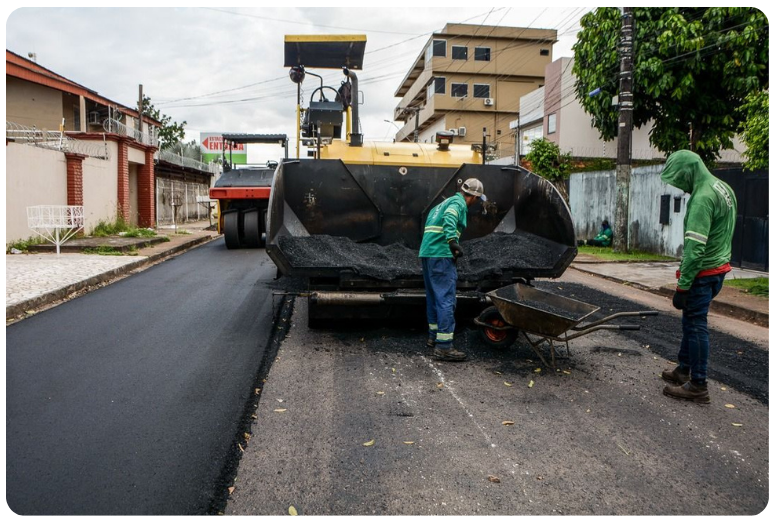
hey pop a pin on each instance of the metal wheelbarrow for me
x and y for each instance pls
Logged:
(520, 308)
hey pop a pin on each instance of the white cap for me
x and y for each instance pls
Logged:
(474, 187)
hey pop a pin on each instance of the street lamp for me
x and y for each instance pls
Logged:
(394, 125)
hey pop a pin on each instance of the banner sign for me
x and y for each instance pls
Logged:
(212, 149)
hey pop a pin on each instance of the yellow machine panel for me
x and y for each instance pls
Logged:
(401, 153)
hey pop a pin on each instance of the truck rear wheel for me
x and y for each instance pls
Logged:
(231, 227)
(499, 339)
(252, 224)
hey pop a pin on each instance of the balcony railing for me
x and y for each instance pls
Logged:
(183, 161)
(114, 126)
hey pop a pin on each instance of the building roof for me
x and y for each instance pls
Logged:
(19, 67)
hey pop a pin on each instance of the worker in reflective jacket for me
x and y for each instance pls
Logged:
(439, 252)
(708, 227)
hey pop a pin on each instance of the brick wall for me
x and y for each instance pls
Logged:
(74, 178)
(146, 194)
(123, 210)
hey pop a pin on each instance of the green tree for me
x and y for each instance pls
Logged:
(755, 130)
(693, 68)
(547, 161)
(170, 132)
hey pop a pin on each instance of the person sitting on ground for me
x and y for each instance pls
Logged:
(603, 238)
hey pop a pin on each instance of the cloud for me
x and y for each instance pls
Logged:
(221, 69)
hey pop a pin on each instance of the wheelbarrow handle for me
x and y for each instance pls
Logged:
(629, 327)
(648, 313)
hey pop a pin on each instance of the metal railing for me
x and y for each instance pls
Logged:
(54, 140)
(114, 126)
(183, 161)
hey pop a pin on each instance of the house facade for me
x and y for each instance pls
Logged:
(68, 145)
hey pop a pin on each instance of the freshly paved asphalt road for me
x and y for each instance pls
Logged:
(128, 400)
(371, 424)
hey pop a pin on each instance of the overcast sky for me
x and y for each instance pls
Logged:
(221, 69)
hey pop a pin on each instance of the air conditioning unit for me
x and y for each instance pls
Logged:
(452, 131)
(94, 118)
(489, 102)
(461, 131)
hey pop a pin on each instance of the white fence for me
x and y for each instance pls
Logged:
(177, 202)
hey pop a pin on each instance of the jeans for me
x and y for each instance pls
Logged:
(440, 275)
(695, 344)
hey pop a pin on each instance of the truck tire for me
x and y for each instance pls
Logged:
(231, 227)
(252, 224)
(499, 339)
(263, 234)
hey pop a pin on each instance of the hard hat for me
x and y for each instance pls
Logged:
(474, 187)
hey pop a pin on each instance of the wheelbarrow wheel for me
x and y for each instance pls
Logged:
(499, 339)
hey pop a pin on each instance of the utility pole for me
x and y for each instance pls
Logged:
(624, 146)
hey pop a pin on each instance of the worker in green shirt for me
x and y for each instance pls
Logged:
(603, 238)
(438, 253)
(708, 227)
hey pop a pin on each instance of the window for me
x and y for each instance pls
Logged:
(481, 90)
(439, 48)
(459, 90)
(482, 54)
(440, 85)
(551, 124)
(437, 86)
(544, 52)
(459, 52)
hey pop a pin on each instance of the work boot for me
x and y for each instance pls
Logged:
(688, 391)
(431, 341)
(450, 354)
(675, 376)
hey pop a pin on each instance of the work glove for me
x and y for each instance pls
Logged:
(456, 249)
(680, 297)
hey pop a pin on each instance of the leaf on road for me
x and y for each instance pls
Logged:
(368, 443)
(292, 511)
(381, 393)
(494, 479)
(440, 385)
(497, 372)
(507, 423)
(280, 410)
(246, 436)
(530, 385)
(408, 442)
(253, 416)
(566, 372)
(537, 370)
(737, 424)
(507, 383)
(394, 370)
(257, 391)
(729, 406)
(230, 489)
(723, 388)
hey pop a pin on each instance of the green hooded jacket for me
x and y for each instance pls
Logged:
(710, 215)
(445, 223)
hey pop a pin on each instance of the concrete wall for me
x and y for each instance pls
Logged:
(100, 189)
(34, 176)
(37, 176)
(593, 196)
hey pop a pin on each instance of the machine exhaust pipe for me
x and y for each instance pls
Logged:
(356, 138)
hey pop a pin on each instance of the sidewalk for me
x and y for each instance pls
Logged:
(659, 278)
(35, 281)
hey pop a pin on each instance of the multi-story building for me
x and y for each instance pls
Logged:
(469, 78)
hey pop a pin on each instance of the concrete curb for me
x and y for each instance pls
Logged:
(724, 308)
(20, 309)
